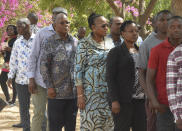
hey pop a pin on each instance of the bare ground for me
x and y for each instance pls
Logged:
(10, 115)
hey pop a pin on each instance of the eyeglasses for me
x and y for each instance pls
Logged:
(65, 22)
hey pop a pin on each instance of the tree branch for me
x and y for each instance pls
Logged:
(141, 6)
(114, 7)
(143, 18)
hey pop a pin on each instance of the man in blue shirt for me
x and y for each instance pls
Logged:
(36, 85)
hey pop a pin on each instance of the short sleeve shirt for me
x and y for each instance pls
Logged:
(144, 50)
(158, 61)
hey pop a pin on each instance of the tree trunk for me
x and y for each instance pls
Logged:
(143, 14)
(144, 17)
(176, 7)
(114, 7)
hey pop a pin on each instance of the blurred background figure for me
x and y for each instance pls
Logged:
(81, 33)
(139, 40)
(33, 20)
(6, 52)
(115, 24)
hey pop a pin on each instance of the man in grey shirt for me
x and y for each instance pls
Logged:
(142, 61)
(36, 85)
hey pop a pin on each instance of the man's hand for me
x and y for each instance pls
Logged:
(179, 124)
(115, 107)
(159, 107)
(7, 49)
(32, 87)
(9, 83)
(51, 93)
(150, 107)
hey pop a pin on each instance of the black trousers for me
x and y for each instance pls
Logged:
(132, 115)
(62, 113)
(3, 80)
(24, 105)
(165, 121)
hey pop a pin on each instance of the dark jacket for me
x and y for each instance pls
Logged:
(120, 74)
(7, 54)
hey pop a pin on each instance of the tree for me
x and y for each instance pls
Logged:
(137, 10)
(176, 7)
(144, 13)
(11, 10)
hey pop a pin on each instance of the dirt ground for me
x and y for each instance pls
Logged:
(10, 115)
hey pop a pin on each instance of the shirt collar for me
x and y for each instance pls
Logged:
(31, 37)
(50, 27)
(58, 37)
(121, 39)
(167, 43)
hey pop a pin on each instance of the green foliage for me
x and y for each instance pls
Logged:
(79, 10)
(160, 5)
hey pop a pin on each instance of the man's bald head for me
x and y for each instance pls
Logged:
(115, 18)
(60, 16)
(33, 18)
(62, 24)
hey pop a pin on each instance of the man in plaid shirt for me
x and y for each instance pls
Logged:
(174, 81)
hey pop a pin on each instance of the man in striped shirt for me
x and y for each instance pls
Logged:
(174, 79)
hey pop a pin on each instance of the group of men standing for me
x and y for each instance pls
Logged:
(156, 73)
(42, 65)
(36, 64)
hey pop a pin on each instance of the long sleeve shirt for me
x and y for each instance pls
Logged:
(174, 82)
(36, 53)
(19, 60)
(57, 65)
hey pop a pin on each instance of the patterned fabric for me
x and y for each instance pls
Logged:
(90, 69)
(174, 82)
(56, 66)
(19, 60)
(138, 92)
(34, 29)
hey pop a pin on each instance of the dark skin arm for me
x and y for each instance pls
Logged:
(151, 74)
(32, 86)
